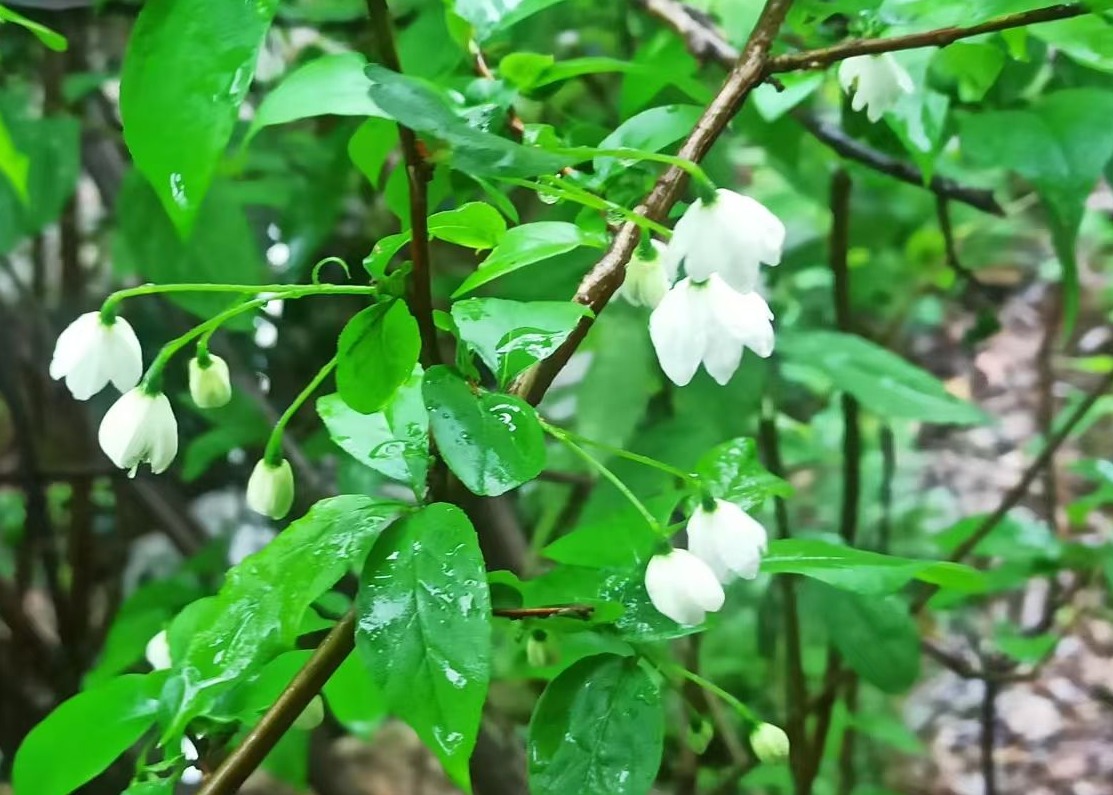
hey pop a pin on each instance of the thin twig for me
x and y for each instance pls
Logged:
(988, 717)
(582, 612)
(940, 37)
(950, 251)
(418, 174)
(847, 771)
(601, 282)
(887, 444)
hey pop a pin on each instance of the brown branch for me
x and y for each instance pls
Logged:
(988, 719)
(582, 612)
(601, 282)
(418, 173)
(940, 37)
(834, 137)
(281, 716)
(703, 40)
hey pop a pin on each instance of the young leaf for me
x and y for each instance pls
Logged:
(52, 39)
(882, 381)
(598, 729)
(492, 442)
(509, 336)
(394, 441)
(329, 85)
(732, 471)
(424, 629)
(878, 638)
(472, 225)
(524, 245)
(258, 612)
(377, 353)
(180, 94)
(91, 729)
(651, 130)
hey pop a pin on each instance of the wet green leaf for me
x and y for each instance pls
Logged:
(377, 353)
(733, 471)
(424, 630)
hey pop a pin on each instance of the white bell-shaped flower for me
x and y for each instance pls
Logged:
(732, 235)
(728, 540)
(158, 652)
(683, 587)
(270, 489)
(770, 743)
(708, 322)
(647, 276)
(878, 83)
(91, 352)
(140, 428)
(209, 384)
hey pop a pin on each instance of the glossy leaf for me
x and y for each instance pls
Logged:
(393, 442)
(415, 104)
(489, 17)
(881, 381)
(651, 130)
(424, 630)
(524, 245)
(473, 225)
(877, 637)
(52, 39)
(733, 471)
(598, 729)
(329, 85)
(862, 571)
(377, 353)
(186, 70)
(492, 442)
(509, 336)
(89, 731)
(259, 610)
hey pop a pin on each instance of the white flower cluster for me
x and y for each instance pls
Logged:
(714, 313)
(724, 544)
(140, 428)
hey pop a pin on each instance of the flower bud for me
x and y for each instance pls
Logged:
(158, 652)
(770, 743)
(209, 384)
(270, 490)
(312, 716)
(541, 651)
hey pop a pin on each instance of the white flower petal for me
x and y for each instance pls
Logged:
(125, 367)
(158, 652)
(139, 428)
(89, 354)
(683, 587)
(678, 332)
(728, 540)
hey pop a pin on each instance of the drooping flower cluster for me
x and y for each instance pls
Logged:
(712, 314)
(140, 428)
(724, 544)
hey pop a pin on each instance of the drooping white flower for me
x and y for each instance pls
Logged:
(708, 322)
(158, 652)
(209, 384)
(878, 83)
(683, 587)
(270, 489)
(647, 276)
(140, 429)
(733, 235)
(91, 352)
(770, 743)
(728, 540)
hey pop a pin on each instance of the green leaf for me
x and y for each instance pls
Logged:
(158, 786)
(330, 85)
(88, 731)
(393, 442)
(489, 17)
(733, 471)
(524, 245)
(377, 353)
(354, 698)
(881, 381)
(417, 105)
(13, 163)
(473, 225)
(259, 610)
(1060, 145)
(598, 729)
(424, 629)
(868, 573)
(509, 336)
(186, 70)
(492, 442)
(371, 145)
(222, 249)
(619, 539)
(974, 68)
(651, 131)
(52, 39)
(1023, 647)
(877, 637)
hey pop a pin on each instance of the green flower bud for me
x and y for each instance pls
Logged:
(270, 490)
(770, 743)
(541, 651)
(209, 385)
(312, 716)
